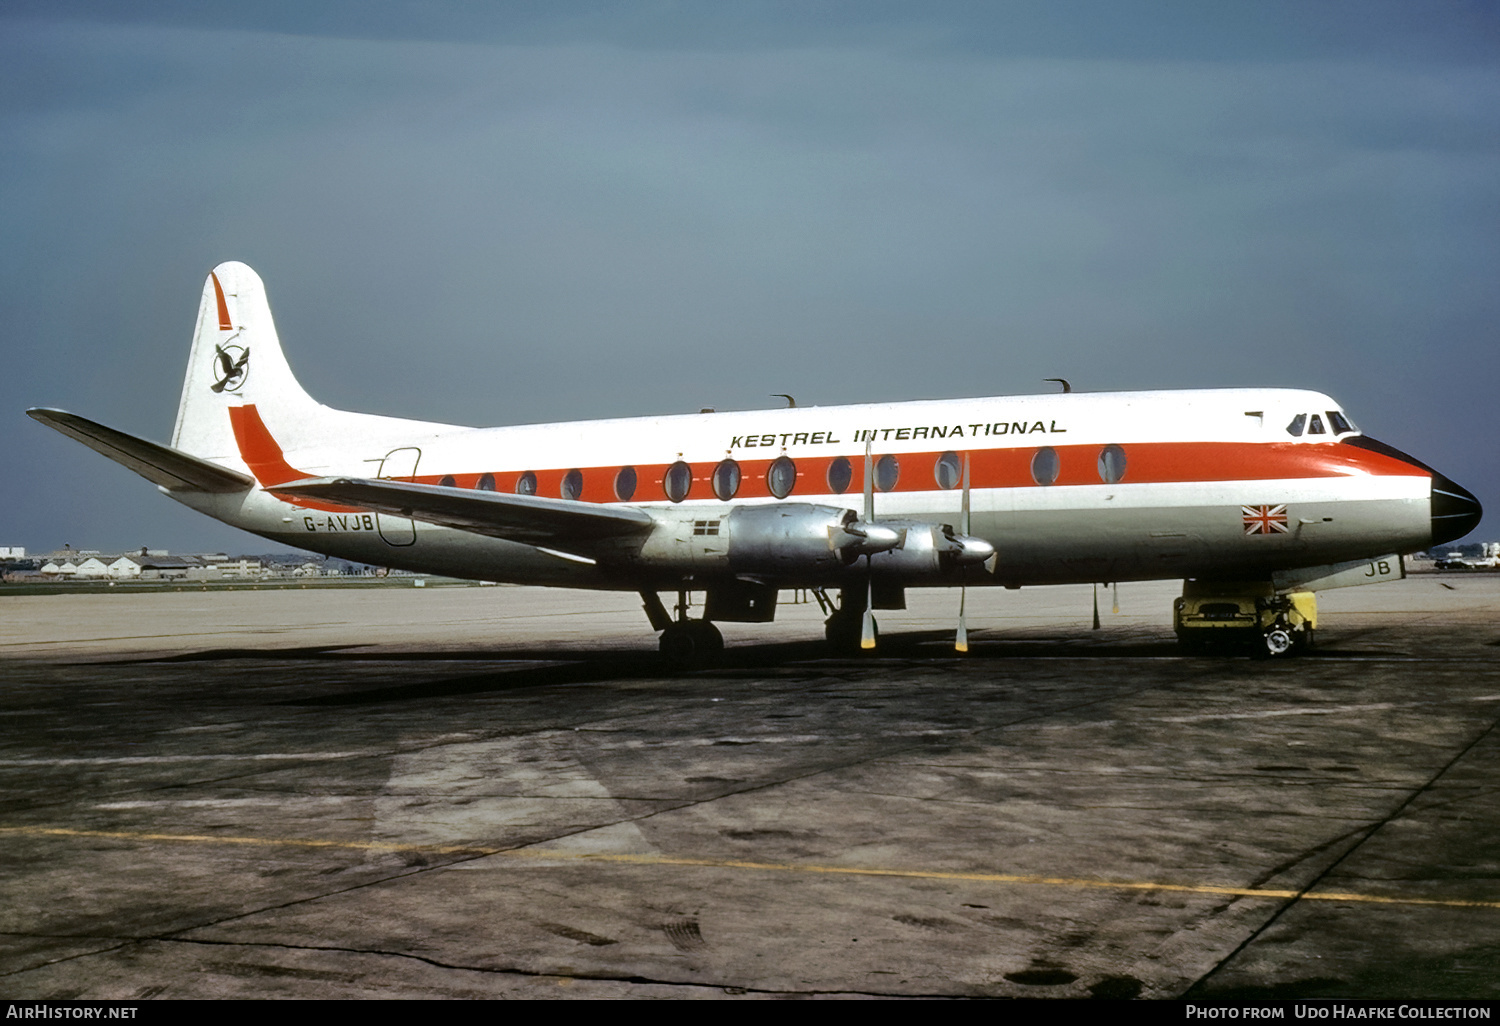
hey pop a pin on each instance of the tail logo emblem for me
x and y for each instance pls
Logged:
(233, 367)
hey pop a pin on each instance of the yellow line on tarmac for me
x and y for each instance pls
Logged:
(768, 867)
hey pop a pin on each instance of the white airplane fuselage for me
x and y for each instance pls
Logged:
(1192, 461)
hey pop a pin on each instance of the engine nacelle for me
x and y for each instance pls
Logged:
(926, 550)
(801, 541)
(789, 538)
(786, 539)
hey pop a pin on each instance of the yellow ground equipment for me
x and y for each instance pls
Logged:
(1244, 613)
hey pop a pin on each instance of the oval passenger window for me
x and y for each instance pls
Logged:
(840, 476)
(887, 473)
(625, 484)
(526, 484)
(572, 484)
(726, 479)
(1045, 465)
(1112, 464)
(947, 470)
(781, 477)
(486, 483)
(678, 481)
(446, 482)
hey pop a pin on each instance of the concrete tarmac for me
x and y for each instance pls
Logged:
(497, 792)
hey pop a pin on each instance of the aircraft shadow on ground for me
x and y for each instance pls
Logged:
(564, 666)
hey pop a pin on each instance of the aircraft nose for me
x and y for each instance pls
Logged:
(1455, 511)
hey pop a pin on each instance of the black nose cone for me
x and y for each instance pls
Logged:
(1455, 512)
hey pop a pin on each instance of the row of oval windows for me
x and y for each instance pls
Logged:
(781, 475)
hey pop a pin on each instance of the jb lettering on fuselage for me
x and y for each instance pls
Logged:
(1256, 498)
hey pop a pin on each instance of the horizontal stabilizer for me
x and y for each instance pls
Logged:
(171, 468)
(562, 523)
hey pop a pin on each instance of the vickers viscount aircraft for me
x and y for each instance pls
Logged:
(1256, 498)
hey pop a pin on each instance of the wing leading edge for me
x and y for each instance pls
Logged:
(562, 523)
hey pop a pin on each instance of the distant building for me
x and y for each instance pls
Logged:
(242, 567)
(12, 552)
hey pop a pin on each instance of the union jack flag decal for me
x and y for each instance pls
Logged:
(1265, 519)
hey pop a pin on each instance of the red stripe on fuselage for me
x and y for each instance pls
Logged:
(1146, 462)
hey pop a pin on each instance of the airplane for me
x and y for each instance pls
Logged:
(1256, 498)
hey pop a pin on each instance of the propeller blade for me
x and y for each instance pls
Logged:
(869, 485)
(961, 642)
(867, 622)
(1096, 607)
(961, 639)
(963, 525)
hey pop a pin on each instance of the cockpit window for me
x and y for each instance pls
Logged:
(1295, 428)
(1339, 422)
(1316, 427)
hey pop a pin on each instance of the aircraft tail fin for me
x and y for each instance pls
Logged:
(236, 360)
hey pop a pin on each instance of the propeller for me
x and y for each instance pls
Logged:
(867, 622)
(961, 640)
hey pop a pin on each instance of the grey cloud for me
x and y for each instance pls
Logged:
(505, 233)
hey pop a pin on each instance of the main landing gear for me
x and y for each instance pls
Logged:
(843, 627)
(691, 643)
(684, 644)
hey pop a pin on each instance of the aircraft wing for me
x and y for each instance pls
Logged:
(171, 468)
(562, 523)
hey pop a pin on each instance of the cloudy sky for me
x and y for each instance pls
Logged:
(508, 213)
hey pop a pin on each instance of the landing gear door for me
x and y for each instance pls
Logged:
(398, 464)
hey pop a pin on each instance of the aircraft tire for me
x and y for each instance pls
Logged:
(713, 641)
(843, 633)
(690, 644)
(1278, 643)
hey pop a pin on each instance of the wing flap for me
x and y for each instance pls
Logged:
(171, 468)
(561, 523)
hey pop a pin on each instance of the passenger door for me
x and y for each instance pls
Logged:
(398, 463)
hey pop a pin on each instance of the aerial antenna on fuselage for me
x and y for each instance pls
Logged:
(1061, 381)
(791, 403)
